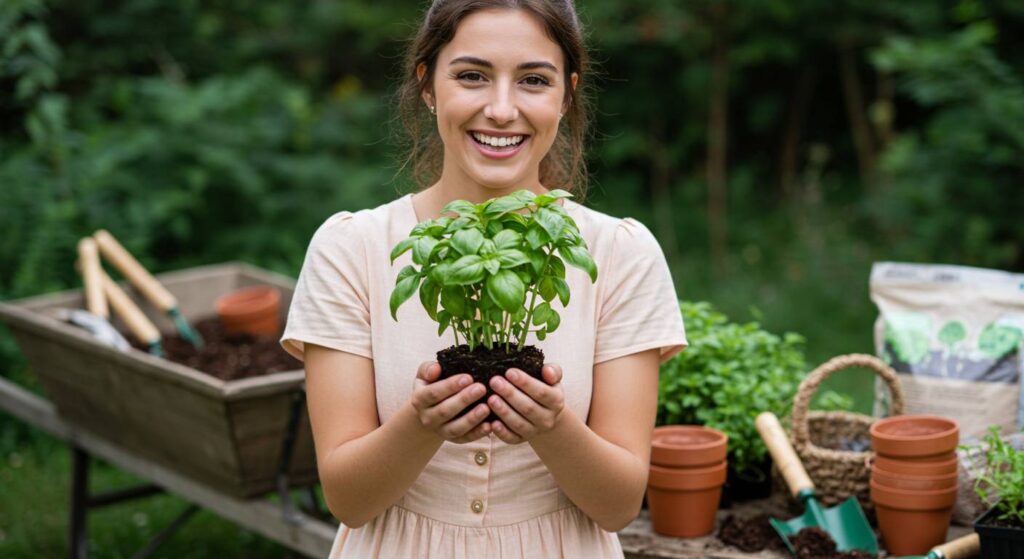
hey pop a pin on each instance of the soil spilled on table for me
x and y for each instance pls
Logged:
(815, 543)
(228, 357)
(750, 534)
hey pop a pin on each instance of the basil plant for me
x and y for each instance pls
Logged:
(491, 273)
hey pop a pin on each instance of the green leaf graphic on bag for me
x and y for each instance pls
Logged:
(996, 340)
(908, 335)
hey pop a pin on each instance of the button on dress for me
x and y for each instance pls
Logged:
(485, 499)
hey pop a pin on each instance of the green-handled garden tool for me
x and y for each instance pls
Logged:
(964, 547)
(146, 284)
(845, 523)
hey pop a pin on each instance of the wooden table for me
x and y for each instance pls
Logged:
(293, 529)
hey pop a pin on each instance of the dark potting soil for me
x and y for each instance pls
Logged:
(483, 363)
(815, 543)
(750, 534)
(228, 357)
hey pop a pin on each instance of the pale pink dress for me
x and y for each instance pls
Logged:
(341, 302)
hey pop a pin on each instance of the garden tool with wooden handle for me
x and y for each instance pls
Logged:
(140, 326)
(964, 547)
(97, 318)
(845, 523)
(148, 285)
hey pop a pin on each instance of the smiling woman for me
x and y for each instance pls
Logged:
(414, 465)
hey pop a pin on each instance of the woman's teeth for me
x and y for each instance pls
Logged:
(505, 141)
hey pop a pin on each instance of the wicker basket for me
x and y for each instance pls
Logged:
(819, 437)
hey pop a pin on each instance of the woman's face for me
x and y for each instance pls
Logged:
(499, 91)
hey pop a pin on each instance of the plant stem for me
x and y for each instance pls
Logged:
(533, 298)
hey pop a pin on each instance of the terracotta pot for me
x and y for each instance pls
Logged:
(912, 522)
(683, 501)
(910, 482)
(914, 468)
(927, 438)
(251, 310)
(690, 446)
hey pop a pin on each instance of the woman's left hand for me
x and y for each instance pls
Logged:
(526, 406)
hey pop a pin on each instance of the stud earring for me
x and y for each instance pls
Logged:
(433, 111)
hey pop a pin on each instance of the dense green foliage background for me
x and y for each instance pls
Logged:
(775, 147)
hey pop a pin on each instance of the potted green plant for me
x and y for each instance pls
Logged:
(491, 273)
(730, 373)
(1001, 528)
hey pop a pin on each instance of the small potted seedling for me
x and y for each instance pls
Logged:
(491, 274)
(1001, 529)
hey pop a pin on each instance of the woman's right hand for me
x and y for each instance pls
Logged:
(438, 402)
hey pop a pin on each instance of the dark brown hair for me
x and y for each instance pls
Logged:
(564, 165)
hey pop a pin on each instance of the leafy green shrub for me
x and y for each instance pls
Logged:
(730, 373)
(1002, 477)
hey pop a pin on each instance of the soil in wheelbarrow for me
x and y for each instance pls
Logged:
(228, 357)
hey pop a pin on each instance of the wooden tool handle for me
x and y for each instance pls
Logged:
(961, 548)
(782, 453)
(89, 260)
(140, 326)
(134, 272)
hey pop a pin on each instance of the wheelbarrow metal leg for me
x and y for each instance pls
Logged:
(78, 540)
(166, 533)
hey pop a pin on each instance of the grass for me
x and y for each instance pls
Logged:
(34, 504)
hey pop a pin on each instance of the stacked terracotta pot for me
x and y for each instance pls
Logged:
(685, 483)
(914, 480)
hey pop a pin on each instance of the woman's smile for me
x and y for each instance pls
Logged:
(498, 145)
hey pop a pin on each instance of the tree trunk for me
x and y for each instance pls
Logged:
(661, 191)
(854, 98)
(718, 123)
(790, 156)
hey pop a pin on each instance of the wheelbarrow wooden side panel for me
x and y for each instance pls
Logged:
(227, 435)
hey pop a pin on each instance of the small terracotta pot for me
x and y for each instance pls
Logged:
(251, 310)
(683, 501)
(912, 522)
(914, 468)
(927, 438)
(910, 482)
(690, 446)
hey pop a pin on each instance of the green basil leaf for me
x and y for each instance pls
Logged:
(421, 250)
(501, 206)
(511, 258)
(466, 270)
(579, 257)
(487, 248)
(460, 207)
(443, 320)
(402, 247)
(440, 272)
(559, 193)
(537, 259)
(563, 291)
(557, 267)
(458, 224)
(403, 290)
(429, 294)
(468, 241)
(541, 314)
(453, 299)
(536, 236)
(506, 289)
(492, 265)
(525, 195)
(541, 334)
(405, 272)
(507, 238)
(553, 320)
(550, 221)
(546, 288)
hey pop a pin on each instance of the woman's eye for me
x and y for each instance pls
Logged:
(535, 80)
(471, 76)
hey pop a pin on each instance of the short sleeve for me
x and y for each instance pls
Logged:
(639, 309)
(331, 305)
